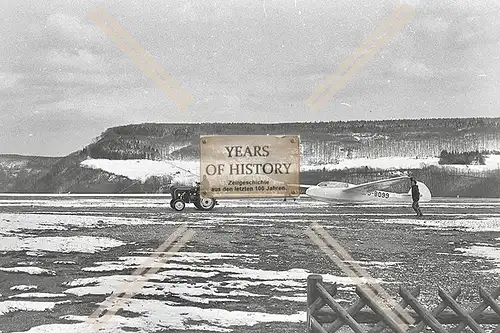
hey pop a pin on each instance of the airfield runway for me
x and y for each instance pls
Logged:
(245, 268)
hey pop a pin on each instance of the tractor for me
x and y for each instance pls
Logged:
(181, 195)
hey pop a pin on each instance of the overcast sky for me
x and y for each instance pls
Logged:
(63, 80)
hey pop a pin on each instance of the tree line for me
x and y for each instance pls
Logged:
(465, 158)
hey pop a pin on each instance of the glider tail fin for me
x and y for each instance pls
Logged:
(425, 193)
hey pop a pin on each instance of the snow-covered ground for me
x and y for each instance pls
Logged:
(485, 223)
(28, 270)
(188, 279)
(87, 244)
(14, 224)
(188, 171)
(246, 265)
(491, 253)
(12, 306)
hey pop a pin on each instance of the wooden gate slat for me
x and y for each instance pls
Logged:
(316, 326)
(326, 315)
(379, 327)
(390, 321)
(352, 310)
(313, 299)
(423, 313)
(489, 300)
(318, 304)
(343, 314)
(331, 290)
(479, 309)
(492, 304)
(440, 308)
(460, 311)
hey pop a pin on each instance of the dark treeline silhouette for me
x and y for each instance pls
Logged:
(322, 142)
(467, 158)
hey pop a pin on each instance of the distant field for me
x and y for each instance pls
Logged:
(442, 180)
(142, 169)
(79, 174)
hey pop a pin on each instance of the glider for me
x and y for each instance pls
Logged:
(372, 192)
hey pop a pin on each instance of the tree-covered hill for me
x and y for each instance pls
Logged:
(322, 143)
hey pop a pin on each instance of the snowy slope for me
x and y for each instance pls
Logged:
(188, 171)
(181, 171)
(388, 163)
(385, 163)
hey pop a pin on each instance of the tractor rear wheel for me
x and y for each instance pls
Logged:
(206, 203)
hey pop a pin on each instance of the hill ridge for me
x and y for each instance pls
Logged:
(322, 142)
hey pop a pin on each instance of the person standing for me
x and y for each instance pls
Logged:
(415, 195)
(205, 185)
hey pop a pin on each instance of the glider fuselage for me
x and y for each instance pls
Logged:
(339, 192)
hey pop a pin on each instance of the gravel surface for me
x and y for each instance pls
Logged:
(244, 269)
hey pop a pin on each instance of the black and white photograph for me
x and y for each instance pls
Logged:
(199, 166)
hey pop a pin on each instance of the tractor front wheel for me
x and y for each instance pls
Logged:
(179, 205)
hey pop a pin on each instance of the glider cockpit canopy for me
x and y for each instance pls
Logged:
(331, 184)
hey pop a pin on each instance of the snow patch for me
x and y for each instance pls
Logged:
(378, 264)
(28, 270)
(24, 287)
(13, 224)
(119, 283)
(12, 306)
(35, 253)
(490, 253)
(301, 299)
(64, 262)
(130, 262)
(227, 269)
(153, 319)
(471, 225)
(196, 257)
(85, 244)
(37, 295)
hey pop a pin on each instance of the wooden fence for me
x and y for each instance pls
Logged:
(325, 315)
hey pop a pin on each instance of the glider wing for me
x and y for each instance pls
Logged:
(376, 185)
